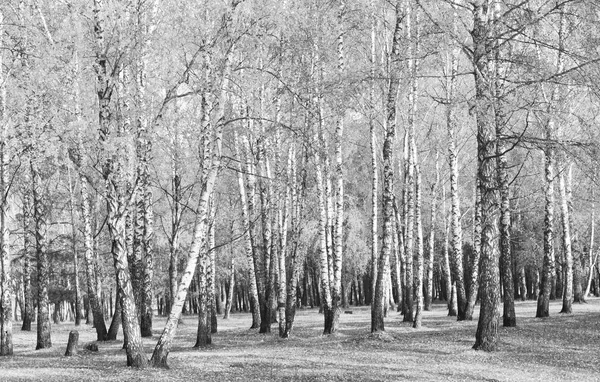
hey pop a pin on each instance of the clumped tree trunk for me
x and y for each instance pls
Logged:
(487, 328)
(117, 193)
(377, 312)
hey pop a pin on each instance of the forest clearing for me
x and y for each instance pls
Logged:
(167, 161)
(560, 348)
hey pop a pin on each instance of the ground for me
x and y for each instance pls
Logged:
(559, 348)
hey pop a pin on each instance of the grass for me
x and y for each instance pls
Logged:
(559, 348)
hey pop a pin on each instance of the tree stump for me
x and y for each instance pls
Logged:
(91, 346)
(72, 344)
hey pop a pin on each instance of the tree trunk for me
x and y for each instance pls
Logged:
(419, 224)
(78, 304)
(568, 282)
(115, 323)
(509, 318)
(456, 260)
(230, 291)
(6, 292)
(377, 323)
(39, 215)
(431, 242)
(163, 346)
(90, 263)
(374, 170)
(257, 279)
(27, 295)
(72, 343)
(473, 282)
(487, 328)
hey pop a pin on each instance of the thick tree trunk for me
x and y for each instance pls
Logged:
(203, 337)
(487, 328)
(115, 323)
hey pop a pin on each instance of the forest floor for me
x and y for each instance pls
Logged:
(559, 348)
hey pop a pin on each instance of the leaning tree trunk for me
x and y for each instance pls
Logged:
(487, 328)
(377, 323)
(163, 346)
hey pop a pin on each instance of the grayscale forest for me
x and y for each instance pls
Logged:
(299, 190)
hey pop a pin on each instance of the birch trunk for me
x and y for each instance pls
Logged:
(377, 323)
(455, 226)
(27, 295)
(592, 261)
(420, 267)
(248, 226)
(44, 340)
(6, 342)
(78, 302)
(473, 282)
(374, 171)
(452, 306)
(486, 337)
(566, 226)
(164, 344)
(229, 302)
(431, 241)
